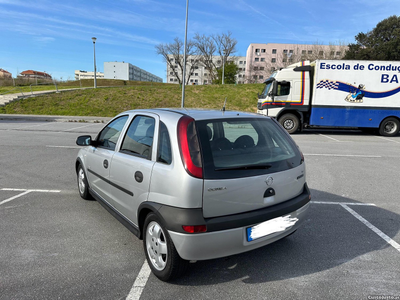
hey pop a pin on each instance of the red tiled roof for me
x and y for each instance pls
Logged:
(4, 71)
(32, 72)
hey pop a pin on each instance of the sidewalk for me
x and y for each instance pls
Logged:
(7, 98)
(48, 118)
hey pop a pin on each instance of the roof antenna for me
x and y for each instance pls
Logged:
(223, 108)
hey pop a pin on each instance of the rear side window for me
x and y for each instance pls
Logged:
(108, 137)
(139, 137)
(235, 148)
(164, 154)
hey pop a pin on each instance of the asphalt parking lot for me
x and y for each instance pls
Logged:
(54, 245)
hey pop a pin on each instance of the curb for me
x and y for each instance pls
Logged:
(49, 118)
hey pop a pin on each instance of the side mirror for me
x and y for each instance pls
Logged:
(84, 140)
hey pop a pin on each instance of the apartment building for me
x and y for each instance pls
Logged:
(197, 71)
(264, 59)
(80, 74)
(127, 71)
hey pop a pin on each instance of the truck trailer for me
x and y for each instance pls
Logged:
(335, 93)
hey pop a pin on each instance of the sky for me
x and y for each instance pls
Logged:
(55, 36)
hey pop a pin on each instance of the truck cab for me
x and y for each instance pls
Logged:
(286, 95)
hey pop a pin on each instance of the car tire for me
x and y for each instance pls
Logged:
(290, 122)
(161, 255)
(83, 186)
(389, 127)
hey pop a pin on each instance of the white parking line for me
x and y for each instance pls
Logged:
(79, 127)
(68, 147)
(29, 126)
(140, 283)
(344, 155)
(345, 205)
(386, 139)
(328, 137)
(373, 228)
(24, 192)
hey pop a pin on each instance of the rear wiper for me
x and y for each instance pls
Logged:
(249, 167)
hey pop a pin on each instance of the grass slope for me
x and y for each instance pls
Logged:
(109, 101)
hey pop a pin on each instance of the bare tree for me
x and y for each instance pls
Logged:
(208, 46)
(173, 54)
(206, 49)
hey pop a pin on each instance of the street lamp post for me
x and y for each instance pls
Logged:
(184, 56)
(94, 57)
(223, 66)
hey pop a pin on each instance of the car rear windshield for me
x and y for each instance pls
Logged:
(234, 148)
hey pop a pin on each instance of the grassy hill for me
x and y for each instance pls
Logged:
(109, 101)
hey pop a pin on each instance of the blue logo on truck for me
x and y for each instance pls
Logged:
(356, 93)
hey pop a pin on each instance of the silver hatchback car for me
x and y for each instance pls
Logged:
(195, 184)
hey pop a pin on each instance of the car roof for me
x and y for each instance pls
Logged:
(200, 114)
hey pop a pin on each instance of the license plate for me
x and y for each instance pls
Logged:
(276, 225)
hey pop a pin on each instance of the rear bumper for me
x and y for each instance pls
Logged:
(228, 242)
(227, 235)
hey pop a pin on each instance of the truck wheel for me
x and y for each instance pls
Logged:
(389, 127)
(290, 122)
(163, 259)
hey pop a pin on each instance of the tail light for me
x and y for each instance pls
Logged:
(189, 147)
(195, 229)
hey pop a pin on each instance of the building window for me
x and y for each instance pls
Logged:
(273, 60)
(240, 62)
(262, 59)
(290, 59)
(291, 51)
(321, 53)
(171, 79)
(272, 69)
(332, 52)
(196, 74)
(273, 51)
(256, 59)
(205, 81)
(309, 51)
(257, 50)
(284, 60)
(261, 68)
(338, 53)
(303, 51)
(171, 73)
(285, 51)
(262, 50)
(255, 76)
(261, 77)
(255, 68)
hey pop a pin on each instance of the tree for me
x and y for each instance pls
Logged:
(381, 43)
(173, 55)
(207, 48)
(231, 70)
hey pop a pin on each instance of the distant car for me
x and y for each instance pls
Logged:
(195, 184)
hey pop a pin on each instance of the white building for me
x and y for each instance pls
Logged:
(200, 75)
(79, 74)
(126, 71)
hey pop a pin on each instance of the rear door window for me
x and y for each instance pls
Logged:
(139, 137)
(245, 147)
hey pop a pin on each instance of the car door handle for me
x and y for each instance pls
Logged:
(139, 176)
(105, 163)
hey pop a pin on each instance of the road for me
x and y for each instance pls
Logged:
(54, 245)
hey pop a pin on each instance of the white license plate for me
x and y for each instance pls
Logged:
(279, 224)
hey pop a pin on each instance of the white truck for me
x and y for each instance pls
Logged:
(335, 93)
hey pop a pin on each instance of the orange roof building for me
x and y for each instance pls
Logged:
(35, 74)
(5, 74)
